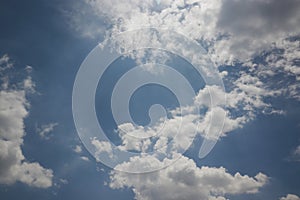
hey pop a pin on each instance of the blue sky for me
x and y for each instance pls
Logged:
(256, 52)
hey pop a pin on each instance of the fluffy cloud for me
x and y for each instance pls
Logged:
(254, 39)
(78, 149)
(290, 197)
(254, 27)
(251, 28)
(13, 165)
(282, 60)
(184, 180)
(241, 36)
(101, 147)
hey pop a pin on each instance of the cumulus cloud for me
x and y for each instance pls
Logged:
(78, 149)
(184, 180)
(13, 165)
(282, 60)
(290, 197)
(102, 147)
(251, 28)
(252, 42)
(256, 27)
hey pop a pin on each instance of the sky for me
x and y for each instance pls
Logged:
(148, 100)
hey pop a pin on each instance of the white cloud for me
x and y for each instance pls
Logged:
(260, 24)
(13, 164)
(233, 31)
(184, 180)
(283, 60)
(84, 158)
(78, 149)
(101, 147)
(5, 63)
(229, 39)
(44, 130)
(290, 197)
(239, 35)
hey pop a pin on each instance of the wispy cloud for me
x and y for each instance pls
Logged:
(45, 130)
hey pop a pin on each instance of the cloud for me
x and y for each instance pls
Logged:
(184, 180)
(256, 24)
(290, 197)
(283, 60)
(44, 130)
(13, 164)
(102, 147)
(295, 154)
(85, 158)
(260, 25)
(263, 26)
(78, 149)
(5, 63)
(229, 36)
(252, 42)
(29, 85)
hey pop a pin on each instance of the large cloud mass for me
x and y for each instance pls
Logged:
(232, 29)
(13, 110)
(255, 45)
(184, 180)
